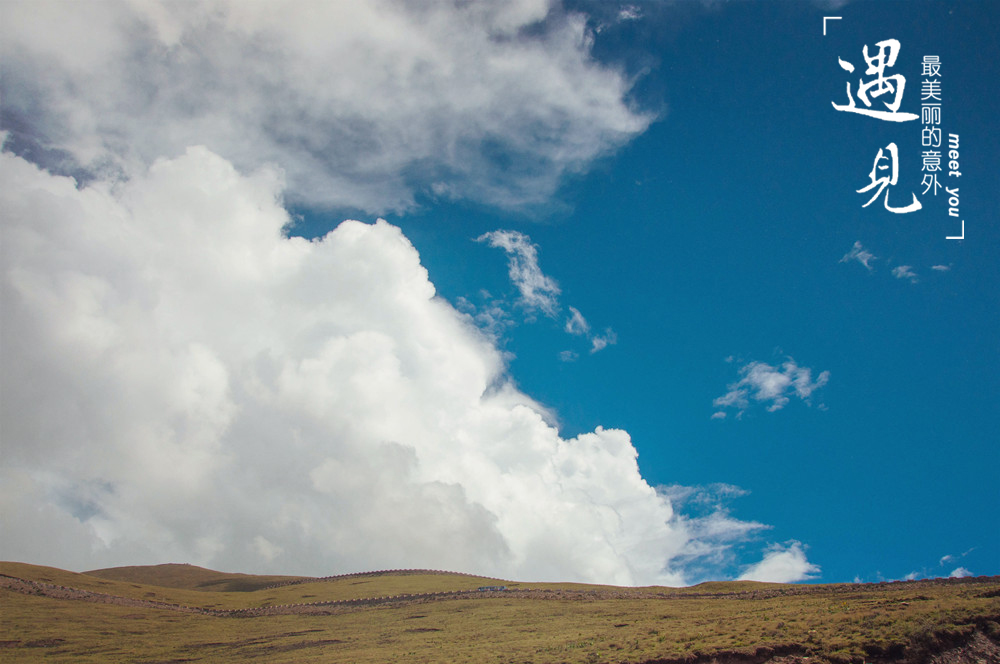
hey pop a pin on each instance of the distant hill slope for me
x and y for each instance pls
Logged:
(185, 613)
(190, 577)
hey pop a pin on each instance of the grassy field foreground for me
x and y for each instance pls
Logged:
(181, 613)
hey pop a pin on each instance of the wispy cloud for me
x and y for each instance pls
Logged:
(704, 511)
(950, 559)
(492, 101)
(905, 272)
(770, 386)
(629, 13)
(782, 564)
(599, 342)
(490, 316)
(860, 254)
(538, 291)
(576, 323)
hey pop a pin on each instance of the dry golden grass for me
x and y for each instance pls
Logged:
(190, 577)
(572, 623)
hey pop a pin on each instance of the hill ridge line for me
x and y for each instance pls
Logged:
(958, 637)
(56, 591)
(384, 572)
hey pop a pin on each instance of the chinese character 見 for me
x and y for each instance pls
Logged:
(887, 180)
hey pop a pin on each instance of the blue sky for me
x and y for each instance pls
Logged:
(687, 186)
(719, 232)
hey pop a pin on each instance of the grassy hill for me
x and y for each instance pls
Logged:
(189, 577)
(181, 613)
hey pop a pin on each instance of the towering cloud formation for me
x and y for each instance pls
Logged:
(184, 382)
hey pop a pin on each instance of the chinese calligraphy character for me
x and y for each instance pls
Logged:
(931, 89)
(882, 84)
(929, 182)
(886, 180)
(932, 66)
(930, 114)
(930, 137)
(932, 160)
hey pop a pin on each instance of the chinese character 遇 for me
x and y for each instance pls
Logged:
(886, 180)
(882, 84)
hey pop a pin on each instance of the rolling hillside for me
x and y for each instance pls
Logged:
(181, 613)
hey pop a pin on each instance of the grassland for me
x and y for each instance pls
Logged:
(180, 613)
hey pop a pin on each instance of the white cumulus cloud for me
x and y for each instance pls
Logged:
(184, 382)
(959, 573)
(782, 564)
(771, 386)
